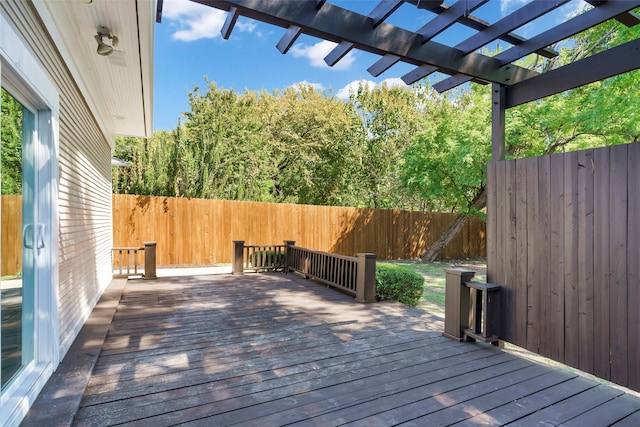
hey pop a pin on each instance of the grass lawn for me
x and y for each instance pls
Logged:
(434, 278)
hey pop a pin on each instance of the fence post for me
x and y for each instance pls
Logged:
(457, 303)
(287, 244)
(237, 266)
(366, 279)
(149, 261)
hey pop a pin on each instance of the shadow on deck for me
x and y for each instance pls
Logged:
(274, 349)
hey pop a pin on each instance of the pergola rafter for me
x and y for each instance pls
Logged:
(577, 24)
(512, 83)
(343, 26)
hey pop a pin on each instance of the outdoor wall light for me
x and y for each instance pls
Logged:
(103, 48)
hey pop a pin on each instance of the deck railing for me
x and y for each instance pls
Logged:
(257, 257)
(129, 262)
(352, 275)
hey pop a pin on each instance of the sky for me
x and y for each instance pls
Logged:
(189, 48)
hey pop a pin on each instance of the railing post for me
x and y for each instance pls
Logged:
(366, 279)
(457, 304)
(287, 245)
(237, 266)
(149, 261)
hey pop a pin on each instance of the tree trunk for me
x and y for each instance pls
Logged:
(433, 253)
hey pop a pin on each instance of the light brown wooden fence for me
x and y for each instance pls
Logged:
(195, 231)
(11, 233)
(563, 239)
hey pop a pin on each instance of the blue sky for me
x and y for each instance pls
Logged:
(188, 47)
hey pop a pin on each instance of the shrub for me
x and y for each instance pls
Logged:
(267, 259)
(395, 282)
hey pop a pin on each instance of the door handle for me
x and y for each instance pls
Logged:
(26, 230)
(40, 239)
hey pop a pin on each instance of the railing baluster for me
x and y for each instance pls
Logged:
(128, 262)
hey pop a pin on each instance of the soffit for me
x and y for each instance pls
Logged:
(119, 87)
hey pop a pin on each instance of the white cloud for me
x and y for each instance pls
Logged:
(508, 6)
(317, 86)
(393, 82)
(194, 21)
(316, 53)
(246, 26)
(352, 87)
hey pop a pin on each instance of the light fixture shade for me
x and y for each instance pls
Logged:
(103, 49)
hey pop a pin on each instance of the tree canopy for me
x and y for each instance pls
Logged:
(11, 151)
(383, 147)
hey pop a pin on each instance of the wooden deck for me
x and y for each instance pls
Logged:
(274, 349)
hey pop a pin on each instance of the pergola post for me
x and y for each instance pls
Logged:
(498, 108)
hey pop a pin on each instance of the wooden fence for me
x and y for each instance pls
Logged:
(200, 232)
(563, 240)
(11, 233)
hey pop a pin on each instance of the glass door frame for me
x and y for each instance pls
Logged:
(25, 79)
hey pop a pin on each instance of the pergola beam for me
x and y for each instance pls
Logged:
(479, 25)
(518, 18)
(383, 10)
(288, 39)
(591, 18)
(341, 25)
(338, 53)
(447, 18)
(418, 73)
(629, 18)
(594, 68)
(509, 23)
(229, 23)
(383, 64)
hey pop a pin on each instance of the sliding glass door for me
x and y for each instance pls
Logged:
(19, 237)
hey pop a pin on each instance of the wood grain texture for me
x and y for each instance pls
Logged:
(575, 249)
(586, 320)
(618, 291)
(198, 232)
(275, 349)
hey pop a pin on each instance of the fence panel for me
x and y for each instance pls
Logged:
(11, 233)
(199, 232)
(568, 257)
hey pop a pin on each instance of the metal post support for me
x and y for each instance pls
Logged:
(498, 108)
(149, 261)
(366, 279)
(237, 263)
(457, 303)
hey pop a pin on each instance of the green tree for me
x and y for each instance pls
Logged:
(222, 149)
(447, 162)
(11, 133)
(391, 118)
(314, 139)
(603, 113)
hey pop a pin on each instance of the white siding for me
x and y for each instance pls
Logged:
(84, 185)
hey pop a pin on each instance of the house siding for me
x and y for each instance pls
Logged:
(84, 199)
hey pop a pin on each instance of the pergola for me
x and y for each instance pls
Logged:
(512, 84)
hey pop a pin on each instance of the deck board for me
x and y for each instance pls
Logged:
(274, 349)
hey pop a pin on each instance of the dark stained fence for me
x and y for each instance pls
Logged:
(563, 240)
(196, 231)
